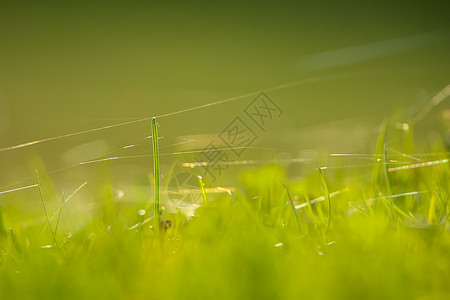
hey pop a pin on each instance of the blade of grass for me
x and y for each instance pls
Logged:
(395, 207)
(65, 240)
(45, 209)
(292, 204)
(157, 211)
(327, 195)
(202, 188)
(59, 214)
(309, 209)
(430, 216)
(62, 205)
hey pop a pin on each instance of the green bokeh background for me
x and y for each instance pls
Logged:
(68, 67)
(71, 66)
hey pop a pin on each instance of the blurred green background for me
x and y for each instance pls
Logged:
(72, 66)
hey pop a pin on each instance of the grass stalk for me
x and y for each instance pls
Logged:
(292, 204)
(58, 210)
(45, 209)
(157, 211)
(202, 188)
(430, 215)
(59, 213)
(395, 207)
(327, 195)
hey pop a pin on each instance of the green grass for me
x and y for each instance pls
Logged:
(202, 189)
(157, 209)
(344, 233)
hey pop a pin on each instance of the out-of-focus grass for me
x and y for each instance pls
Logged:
(364, 242)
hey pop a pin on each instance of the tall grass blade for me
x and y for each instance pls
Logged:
(157, 211)
(292, 204)
(62, 205)
(395, 207)
(202, 188)
(59, 213)
(45, 209)
(430, 216)
(327, 195)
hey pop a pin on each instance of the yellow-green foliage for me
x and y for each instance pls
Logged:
(349, 237)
